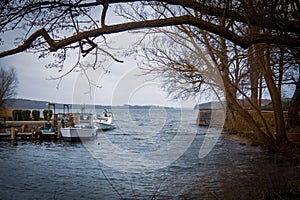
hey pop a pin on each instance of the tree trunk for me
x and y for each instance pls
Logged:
(254, 75)
(266, 139)
(275, 94)
(293, 110)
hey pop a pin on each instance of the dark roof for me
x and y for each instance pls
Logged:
(213, 105)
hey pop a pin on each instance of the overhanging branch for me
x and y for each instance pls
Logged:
(243, 41)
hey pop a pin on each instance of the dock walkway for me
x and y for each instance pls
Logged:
(30, 136)
(27, 130)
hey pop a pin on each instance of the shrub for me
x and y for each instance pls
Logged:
(17, 115)
(35, 115)
(45, 113)
(25, 115)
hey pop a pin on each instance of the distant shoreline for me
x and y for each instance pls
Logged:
(29, 104)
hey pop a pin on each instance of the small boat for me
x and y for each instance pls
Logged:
(78, 133)
(81, 128)
(105, 122)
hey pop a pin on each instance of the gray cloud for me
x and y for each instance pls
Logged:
(74, 88)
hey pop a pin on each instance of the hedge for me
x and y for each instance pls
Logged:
(35, 115)
(25, 115)
(17, 115)
(45, 113)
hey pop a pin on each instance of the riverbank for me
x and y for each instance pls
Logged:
(291, 151)
(236, 125)
(291, 190)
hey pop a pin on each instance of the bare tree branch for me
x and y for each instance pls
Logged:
(201, 24)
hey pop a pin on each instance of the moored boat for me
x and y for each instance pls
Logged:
(105, 122)
(81, 128)
(78, 133)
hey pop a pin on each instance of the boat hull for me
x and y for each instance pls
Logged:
(105, 122)
(78, 134)
(104, 126)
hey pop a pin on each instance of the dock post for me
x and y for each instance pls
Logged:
(58, 131)
(12, 133)
(59, 135)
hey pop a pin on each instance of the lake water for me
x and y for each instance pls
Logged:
(153, 154)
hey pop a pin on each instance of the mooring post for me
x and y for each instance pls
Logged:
(12, 133)
(58, 131)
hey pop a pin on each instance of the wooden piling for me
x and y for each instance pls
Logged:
(12, 133)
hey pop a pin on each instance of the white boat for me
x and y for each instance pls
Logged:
(105, 122)
(80, 129)
(78, 133)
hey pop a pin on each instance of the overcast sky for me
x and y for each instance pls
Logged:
(120, 86)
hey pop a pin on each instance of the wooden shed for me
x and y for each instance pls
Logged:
(210, 113)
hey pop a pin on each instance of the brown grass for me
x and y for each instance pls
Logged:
(240, 126)
(291, 150)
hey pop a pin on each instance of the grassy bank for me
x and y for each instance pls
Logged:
(240, 128)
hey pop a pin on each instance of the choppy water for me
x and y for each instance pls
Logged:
(60, 170)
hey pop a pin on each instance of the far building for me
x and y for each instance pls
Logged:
(210, 113)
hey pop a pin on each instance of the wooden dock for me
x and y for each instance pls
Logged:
(30, 136)
(4, 136)
(28, 131)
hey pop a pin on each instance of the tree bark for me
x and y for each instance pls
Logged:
(267, 140)
(266, 71)
(293, 110)
(254, 76)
